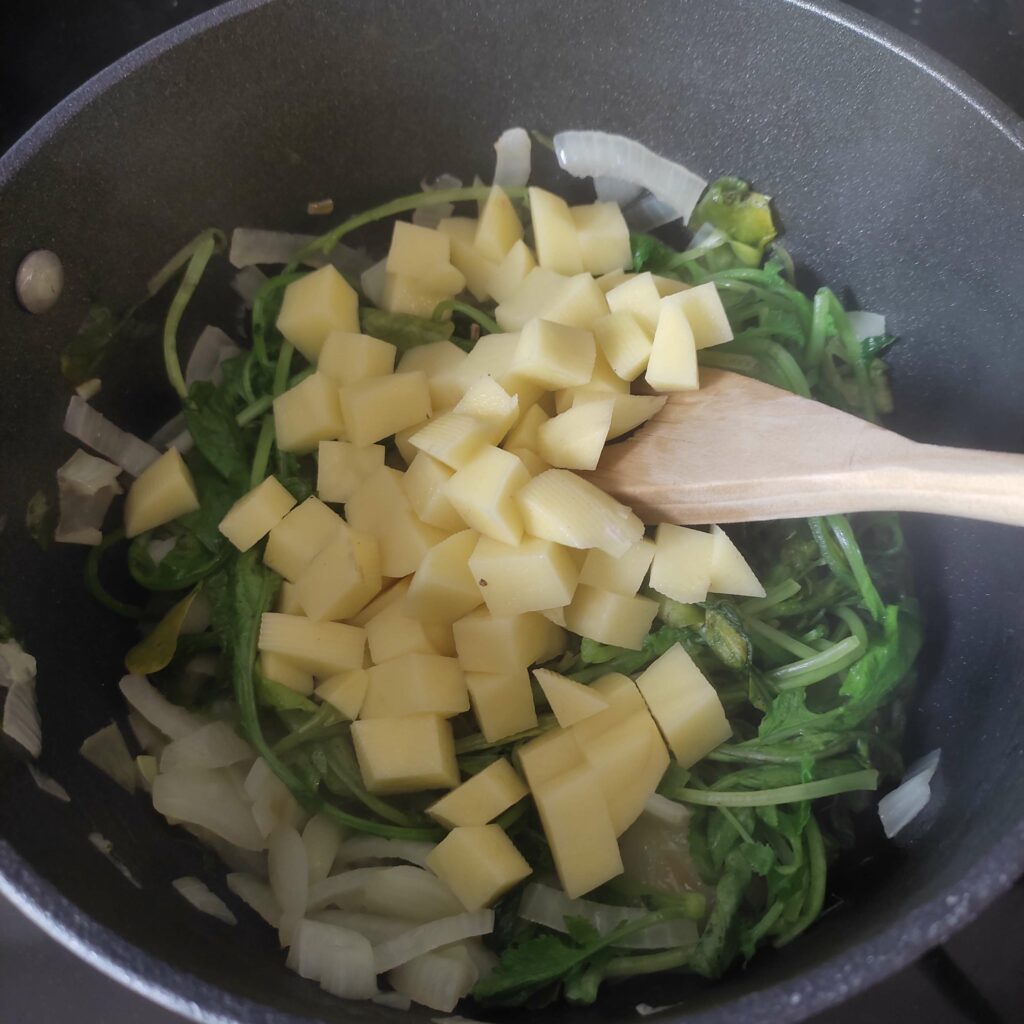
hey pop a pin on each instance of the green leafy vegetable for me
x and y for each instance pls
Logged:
(40, 519)
(730, 205)
(157, 649)
(402, 330)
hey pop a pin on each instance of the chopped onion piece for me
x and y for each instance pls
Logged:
(86, 486)
(431, 216)
(200, 896)
(512, 163)
(149, 738)
(160, 547)
(89, 388)
(16, 664)
(213, 745)
(212, 348)
(376, 848)
(430, 936)
(666, 810)
(899, 808)
(373, 927)
(550, 907)
(106, 847)
(49, 786)
(864, 324)
(21, 717)
(615, 190)
(707, 236)
(392, 1000)
(346, 260)
(247, 284)
(646, 1010)
(591, 154)
(170, 431)
(409, 892)
(649, 212)
(209, 798)
(345, 890)
(85, 424)
(321, 838)
(107, 750)
(288, 869)
(437, 980)
(171, 720)
(254, 246)
(339, 959)
(272, 802)
(257, 895)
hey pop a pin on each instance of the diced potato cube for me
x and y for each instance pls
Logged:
(685, 706)
(410, 295)
(560, 506)
(307, 414)
(405, 755)
(622, 575)
(279, 669)
(341, 578)
(610, 618)
(603, 382)
(534, 575)
(424, 482)
(673, 362)
(288, 599)
(554, 233)
(628, 411)
(161, 492)
(625, 344)
(393, 632)
(488, 401)
(606, 282)
(502, 703)
(405, 449)
(393, 594)
(423, 254)
(462, 229)
(255, 514)
(299, 537)
(381, 406)
(682, 563)
(491, 643)
(574, 439)
(511, 271)
(483, 493)
(624, 701)
(342, 466)
(532, 462)
(313, 306)
(638, 296)
(452, 438)
(703, 309)
(575, 301)
(444, 588)
(730, 573)
(578, 304)
(323, 648)
(347, 358)
(603, 237)
(498, 228)
(668, 285)
(482, 798)
(491, 356)
(431, 359)
(555, 615)
(474, 267)
(551, 754)
(570, 701)
(345, 692)
(579, 830)
(524, 433)
(413, 684)
(479, 863)
(553, 355)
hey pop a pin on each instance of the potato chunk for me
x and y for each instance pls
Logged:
(482, 798)
(313, 306)
(479, 863)
(405, 755)
(162, 492)
(255, 514)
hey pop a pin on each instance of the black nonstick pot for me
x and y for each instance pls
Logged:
(897, 179)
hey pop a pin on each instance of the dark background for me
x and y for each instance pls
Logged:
(47, 49)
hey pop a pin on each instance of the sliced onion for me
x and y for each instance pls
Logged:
(345, 890)
(431, 216)
(48, 785)
(373, 927)
(483, 959)
(255, 246)
(85, 424)
(649, 212)
(16, 664)
(106, 847)
(321, 838)
(170, 431)
(707, 236)
(210, 799)
(392, 1000)
(865, 324)
(372, 281)
(646, 1010)
(272, 802)
(257, 895)
(375, 848)
(615, 190)
(437, 980)
(107, 751)
(549, 907)
(146, 770)
(86, 486)
(339, 959)
(666, 810)
(428, 937)
(212, 348)
(171, 720)
(409, 892)
(247, 284)
(288, 870)
(213, 745)
(21, 717)
(89, 389)
(512, 162)
(591, 154)
(160, 547)
(899, 808)
(346, 260)
(148, 737)
(200, 896)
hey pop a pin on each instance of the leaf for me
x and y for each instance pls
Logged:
(156, 651)
(745, 216)
(40, 519)
(99, 334)
(186, 564)
(402, 330)
(675, 613)
(272, 694)
(217, 435)
(630, 662)
(581, 931)
(724, 633)
(719, 941)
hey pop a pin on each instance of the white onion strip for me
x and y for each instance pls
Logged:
(376, 848)
(86, 485)
(85, 424)
(171, 720)
(899, 808)
(212, 348)
(205, 901)
(512, 158)
(431, 936)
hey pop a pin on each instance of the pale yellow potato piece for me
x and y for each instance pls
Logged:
(624, 700)
(574, 439)
(392, 632)
(638, 296)
(579, 830)
(610, 618)
(342, 466)
(313, 306)
(393, 594)
(492, 643)
(682, 563)
(491, 356)
(622, 575)
(624, 343)
(255, 514)
(444, 588)
(476, 268)
(479, 863)
(628, 411)
(672, 365)
(405, 294)
(502, 703)
(606, 282)
(575, 301)
(420, 253)
(307, 414)
(730, 573)
(342, 577)
(550, 755)
(668, 285)
(288, 599)
(570, 701)
(452, 438)
(406, 450)
(279, 669)
(705, 314)
(511, 271)
(562, 507)
(524, 433)
(483, 493)
(603, 382)
(482, 798)
(499, 227)
(323, 648)
(462, 229)
(299, 537)
(405, 755)
(554, 233)
(554, 355)
(603, 237)
(424, 482)
(431, 359)
(530, 459)
(345, 692)
(162, 492)
(347, 358)
(685, 705)
(381, 406)
(527, 577)
(415, 683)
(555, 615)
(489, 402)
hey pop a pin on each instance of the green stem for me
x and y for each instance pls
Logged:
(854, 356)
(96, 588)
(815, 896)
(197, 264)
(489, 325)
(866, 779)
(819, 666)
(181, 257)
(779, 638)
(261, 457)
(647, 963)
(284, 364)
(259, 407)
(847, 541)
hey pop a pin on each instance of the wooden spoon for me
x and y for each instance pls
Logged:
(740, 451)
